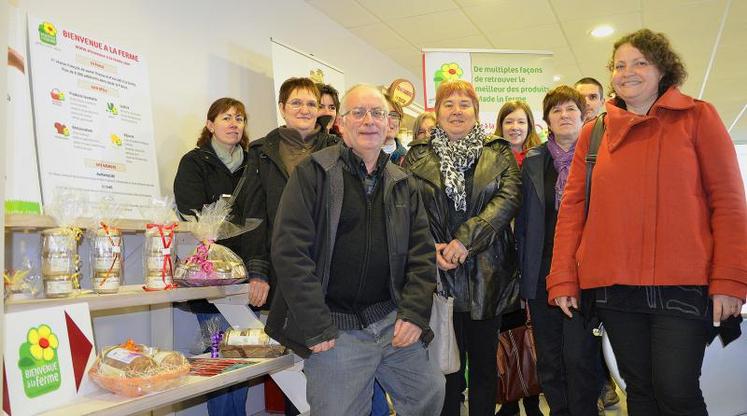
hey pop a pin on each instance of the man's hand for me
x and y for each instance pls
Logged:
(405, 334)
(258, 290)
(566, 303)
(725, 306)
(455, 252)
(323, 346)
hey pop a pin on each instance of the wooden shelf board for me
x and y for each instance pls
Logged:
(37, 221)
(128, 296)
(108, 404)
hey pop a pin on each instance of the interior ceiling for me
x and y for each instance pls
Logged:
(401, 28)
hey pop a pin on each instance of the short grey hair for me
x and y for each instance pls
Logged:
(344, 107)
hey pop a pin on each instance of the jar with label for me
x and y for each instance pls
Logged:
(107, 249)
(59, 261)
(159, 256)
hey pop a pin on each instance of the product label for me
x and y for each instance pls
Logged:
(104, 264)
(111, 283)
(58, 265)
(155, 263)
(122, 355)
(59, 287)
(166, 251)
(157, 282)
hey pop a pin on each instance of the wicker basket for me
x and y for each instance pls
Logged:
(251, 351)
(138, 386)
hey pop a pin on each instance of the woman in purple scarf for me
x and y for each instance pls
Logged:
(567, 351)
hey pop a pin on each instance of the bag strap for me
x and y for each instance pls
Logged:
(591, 156)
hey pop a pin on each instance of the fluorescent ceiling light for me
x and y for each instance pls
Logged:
(602, 31)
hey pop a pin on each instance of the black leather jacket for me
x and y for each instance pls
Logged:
(303, 242)
(491, 267)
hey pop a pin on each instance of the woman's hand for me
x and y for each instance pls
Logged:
(258, 290)
(566, 303)
(455, 252)
(441, 262)
(725, 306)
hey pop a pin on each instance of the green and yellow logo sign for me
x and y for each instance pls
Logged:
(38, 362)
(48, 33)
(447, 72)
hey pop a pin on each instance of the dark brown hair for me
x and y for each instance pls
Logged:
(292, 84)
(657, 50)
(217, 108)
(560, 95)
(509, 107)
(326, 89)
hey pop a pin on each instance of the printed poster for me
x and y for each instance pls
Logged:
(47, 354)
(93, 117)
(498, 76)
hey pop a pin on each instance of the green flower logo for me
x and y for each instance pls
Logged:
(39, 362)
(48, 33)
(447, 72)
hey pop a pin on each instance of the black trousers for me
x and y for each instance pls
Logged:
(478, 343)
(660, 358)
(568, 363)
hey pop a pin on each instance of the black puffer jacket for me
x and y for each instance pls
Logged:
(302, 250)
(266, 177)
(201, 179)
(491, 267)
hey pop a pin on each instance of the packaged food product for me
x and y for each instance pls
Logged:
(159, 249)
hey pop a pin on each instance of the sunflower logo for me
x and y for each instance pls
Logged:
(447, 72)
(43, 343)
(48, 33)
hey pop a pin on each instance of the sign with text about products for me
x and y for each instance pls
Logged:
(93, 117)
(47, 354)
(498, 76)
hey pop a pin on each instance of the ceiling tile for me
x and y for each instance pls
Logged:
(346, 13)
(468, 42)
(380, 36)
(547, 37)
(434, 27)
(592, 9)
(504, 16)
(394, 9)
(407, 56)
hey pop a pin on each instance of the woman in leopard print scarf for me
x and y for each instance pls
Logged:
(469, 182)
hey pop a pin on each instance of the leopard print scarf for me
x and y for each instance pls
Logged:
(457, 157)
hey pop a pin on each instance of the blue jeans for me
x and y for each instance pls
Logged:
(340, 381)
(230, 401)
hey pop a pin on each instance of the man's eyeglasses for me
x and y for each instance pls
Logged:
(297, 104)
(359, 113)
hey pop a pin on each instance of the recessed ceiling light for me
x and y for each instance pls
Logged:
(602, 31)
(556, 78)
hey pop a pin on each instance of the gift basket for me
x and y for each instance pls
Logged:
(159, 248)
(60, 263)
(249, 343)
(212, 264)
(132, 369)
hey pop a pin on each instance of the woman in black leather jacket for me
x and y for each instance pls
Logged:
(469, 182)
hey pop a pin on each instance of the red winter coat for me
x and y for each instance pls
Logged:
(667, 204)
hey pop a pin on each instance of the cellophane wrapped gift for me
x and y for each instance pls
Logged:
(131, 369)
(23, 282)
(107, 247)
(213, 264)
(60, 263)
(159, 248)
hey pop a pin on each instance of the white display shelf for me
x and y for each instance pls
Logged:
(128, 296)
(109, 404)
(38, 221)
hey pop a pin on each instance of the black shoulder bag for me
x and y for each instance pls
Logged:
(591, 157)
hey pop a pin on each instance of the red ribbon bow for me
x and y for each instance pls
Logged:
(166, 240)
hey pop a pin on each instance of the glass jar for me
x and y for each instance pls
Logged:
(159, 257)
(107, 249)
(59, 261)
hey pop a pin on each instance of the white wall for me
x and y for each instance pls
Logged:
(198, 51)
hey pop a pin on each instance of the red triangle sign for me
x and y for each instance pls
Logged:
(80, 349)
(6, 398)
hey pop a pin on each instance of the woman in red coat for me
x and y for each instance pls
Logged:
(663, 252)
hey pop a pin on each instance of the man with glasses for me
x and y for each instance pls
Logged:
(355, 266)
(392, 145)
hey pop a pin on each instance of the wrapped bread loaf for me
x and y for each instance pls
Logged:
(122, 362)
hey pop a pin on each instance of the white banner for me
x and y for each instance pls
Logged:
(289, 62)
(22, 193)
(498, 76)
(93, 116)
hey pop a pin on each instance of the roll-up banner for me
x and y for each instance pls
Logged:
(498, 76)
